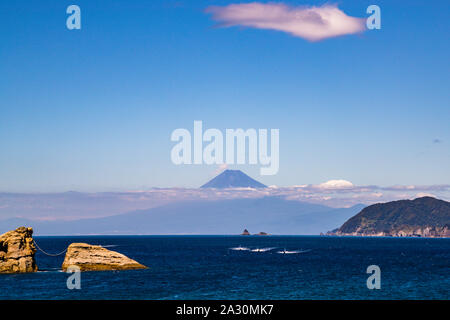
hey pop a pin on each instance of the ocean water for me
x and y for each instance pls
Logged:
(204, 267)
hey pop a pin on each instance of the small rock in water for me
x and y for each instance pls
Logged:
(96, 258)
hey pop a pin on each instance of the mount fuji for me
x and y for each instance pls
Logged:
(233, 179)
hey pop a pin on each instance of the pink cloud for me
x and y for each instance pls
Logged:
(311, 23)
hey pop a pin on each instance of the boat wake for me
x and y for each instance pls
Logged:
(240, 249)
(259, 250)
(262, 249)
(293, 252)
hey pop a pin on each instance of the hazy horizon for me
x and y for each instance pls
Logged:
(73, 205)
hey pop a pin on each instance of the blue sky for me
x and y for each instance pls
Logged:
(93, 109)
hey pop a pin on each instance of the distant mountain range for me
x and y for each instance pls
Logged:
(425, 217)
(233, 179)
(273, 215)
(422, 217)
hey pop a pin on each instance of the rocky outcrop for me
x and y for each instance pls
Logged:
(262, 233)
(422, 217)
(96, 258)
(245, 233)
(17, 251)
(426, 232)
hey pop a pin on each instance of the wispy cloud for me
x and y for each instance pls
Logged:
(221, 168)
(311, 23)
(334, 193)
(424, 194)
(336, 184)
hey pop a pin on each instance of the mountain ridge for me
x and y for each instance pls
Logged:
(421, 217)
(275, 215)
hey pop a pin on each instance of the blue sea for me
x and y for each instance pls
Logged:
(204, 267)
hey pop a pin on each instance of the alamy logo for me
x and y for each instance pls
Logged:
(74, 281)
(374, 281)
(237, 151)
(374, 21)
(74, 20)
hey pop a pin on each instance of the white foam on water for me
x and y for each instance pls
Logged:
(293, 252)
(240, 248)
(49, 271)
(262, 249)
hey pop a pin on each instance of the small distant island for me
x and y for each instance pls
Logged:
(247, 233)
(421, 217)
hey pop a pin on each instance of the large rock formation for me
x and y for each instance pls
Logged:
(96, 258)
(17, 251)
(422, 217)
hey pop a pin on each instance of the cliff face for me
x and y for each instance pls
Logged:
(17, 251)
(427, 232)
(96, 258)
(422, 217)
